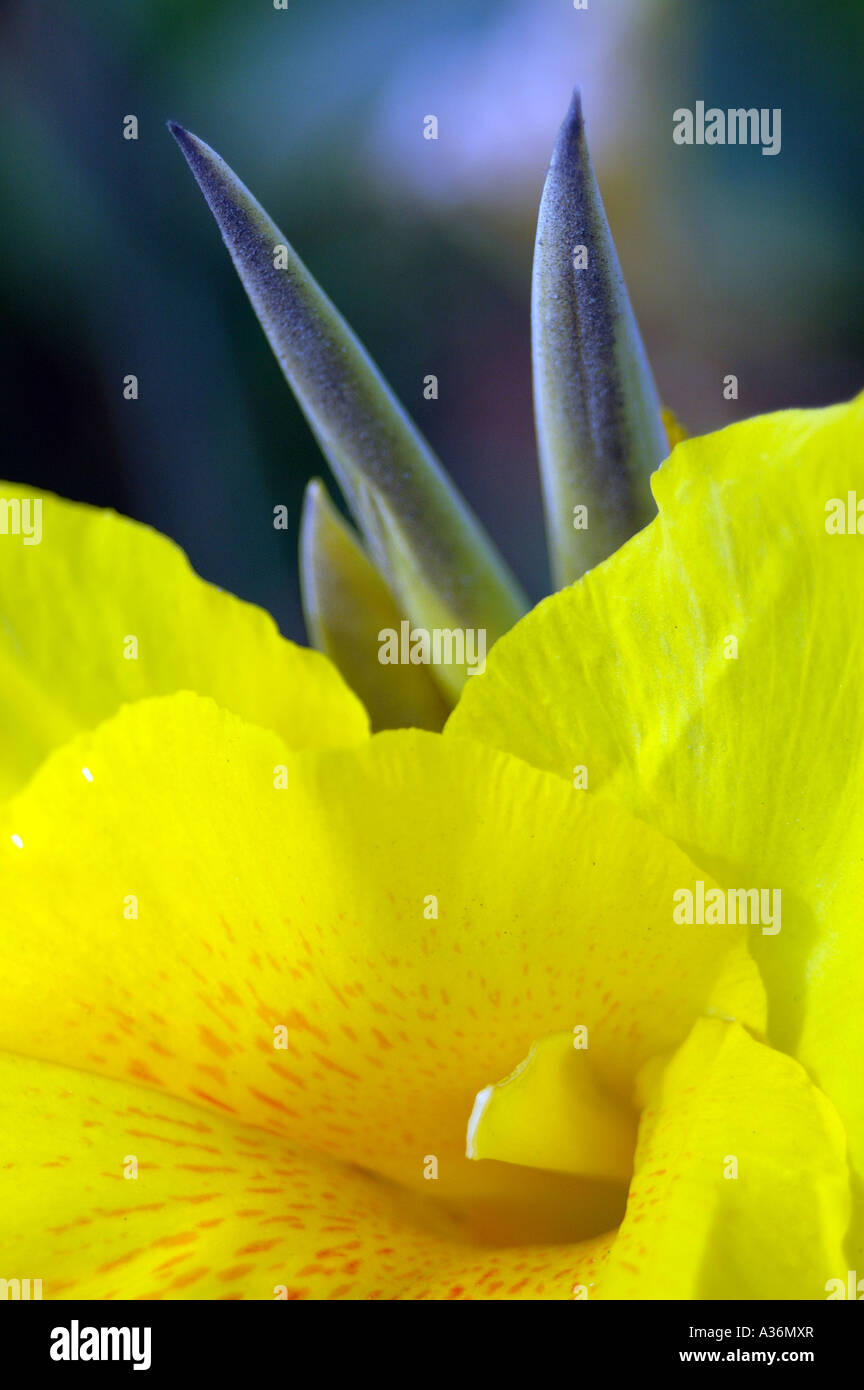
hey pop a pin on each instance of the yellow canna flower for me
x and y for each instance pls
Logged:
(256, 970)
(559, 1003)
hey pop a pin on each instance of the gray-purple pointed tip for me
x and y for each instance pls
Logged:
(599, 427)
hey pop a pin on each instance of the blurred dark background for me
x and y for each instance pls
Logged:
(736, 262)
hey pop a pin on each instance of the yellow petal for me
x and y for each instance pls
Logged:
(103, 611)
(741, 1187)
(675, 431)
(752, 762)
(345, 953)
(553, 1112)
(347, 605)
(108, 1191)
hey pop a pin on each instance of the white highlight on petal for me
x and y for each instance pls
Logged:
(87, 773)
(16, 840)
(481, 1101)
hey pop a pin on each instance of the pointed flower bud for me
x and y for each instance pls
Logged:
(348, 607)
(436, 558)
(599, 426)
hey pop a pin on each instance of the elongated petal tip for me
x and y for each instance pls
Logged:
(189, 143)
(185, 139)
(573, 123)
(197, 151)
(206, 166)
(424, 540)
(599, 428)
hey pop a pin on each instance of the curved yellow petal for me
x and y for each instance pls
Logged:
(741, 1187)
(340, 947)
(102, 611)
(709, 678)
(108, 1191)
(554, 1112)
